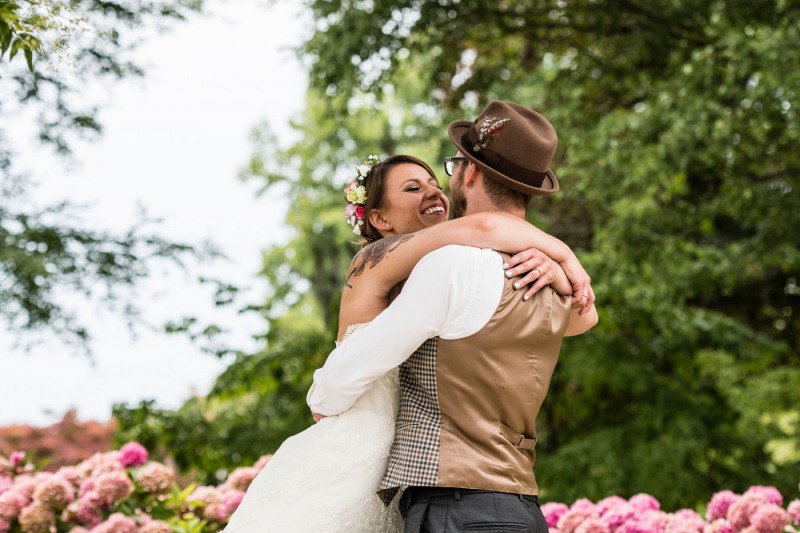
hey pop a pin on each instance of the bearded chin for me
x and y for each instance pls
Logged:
(459, 206)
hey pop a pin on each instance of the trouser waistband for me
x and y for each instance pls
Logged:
(414, 493)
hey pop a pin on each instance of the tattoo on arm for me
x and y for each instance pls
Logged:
(373, 253)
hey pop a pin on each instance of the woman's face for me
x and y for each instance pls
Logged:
(412, 200)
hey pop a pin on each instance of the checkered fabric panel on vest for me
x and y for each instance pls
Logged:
(414, 457)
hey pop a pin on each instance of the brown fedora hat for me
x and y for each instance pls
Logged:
(512, 144)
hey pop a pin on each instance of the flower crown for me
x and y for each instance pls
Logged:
(356, 195)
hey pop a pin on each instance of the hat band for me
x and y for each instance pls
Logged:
(498, 163)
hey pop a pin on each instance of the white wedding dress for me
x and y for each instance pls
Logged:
(324, 479)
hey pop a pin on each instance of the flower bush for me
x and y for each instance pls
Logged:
(123, 492)
(758, 510)
(114, 492)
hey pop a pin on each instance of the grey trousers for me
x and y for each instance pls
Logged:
(429, 510)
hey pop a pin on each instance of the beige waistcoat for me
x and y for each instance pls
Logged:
(468, 406)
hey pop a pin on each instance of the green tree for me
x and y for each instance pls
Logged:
(678, 127)
(43, 250)
(676, 121)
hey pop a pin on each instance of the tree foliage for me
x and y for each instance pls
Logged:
(45, 251)
(678, 131)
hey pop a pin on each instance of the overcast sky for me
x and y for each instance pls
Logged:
(173, 143)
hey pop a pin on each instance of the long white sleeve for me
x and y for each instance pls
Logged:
(451, 293)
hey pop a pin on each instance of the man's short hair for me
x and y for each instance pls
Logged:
(504, 197)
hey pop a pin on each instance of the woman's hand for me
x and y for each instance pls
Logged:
(536, 267)
(582, 293)
(567, 277)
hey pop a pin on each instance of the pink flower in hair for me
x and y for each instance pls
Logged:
(719, 504)
(349, 210)
(552, 511)
(359, 212)
(132, 454)
(771, 494)
(770, 518)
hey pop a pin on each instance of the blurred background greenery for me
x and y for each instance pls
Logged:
(679, 159)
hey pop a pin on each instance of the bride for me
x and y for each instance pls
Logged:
(324, 479)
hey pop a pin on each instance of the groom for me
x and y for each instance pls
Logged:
(475, 357)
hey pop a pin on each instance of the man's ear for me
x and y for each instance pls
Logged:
(377, 220)
(472, 175)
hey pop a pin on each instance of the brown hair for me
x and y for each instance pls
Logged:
(374, 183)
(504, 197)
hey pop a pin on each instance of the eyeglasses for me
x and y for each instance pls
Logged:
(449, 163)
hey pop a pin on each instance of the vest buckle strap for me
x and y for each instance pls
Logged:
(519, 441)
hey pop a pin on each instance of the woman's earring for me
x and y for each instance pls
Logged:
(387, 225)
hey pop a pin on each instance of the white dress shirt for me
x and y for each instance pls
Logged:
(451, 293)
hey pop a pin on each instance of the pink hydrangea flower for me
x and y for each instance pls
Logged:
(4, 526)
(55, 492)
(117, 523)
(5, 483)
(215, 512)
(154, 526)
(611, 502)
(648, 521)
(720, 525)
(771, 494)
(262, 461)
(86, 509)
(593, 525)
(36, 518)
(231, 501)
(719, 504)
(132, 454)
(552, 512)
(241, 477)
(644, 502)
(100, 463)
(204, 495)
(582, 503)
(16, 457)
(155, 477)
(112, 487)
(618, 514)
(569, 521)
(11, 503)
(794, 511)
(686, 520)
(770, 518)
(740, 512)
